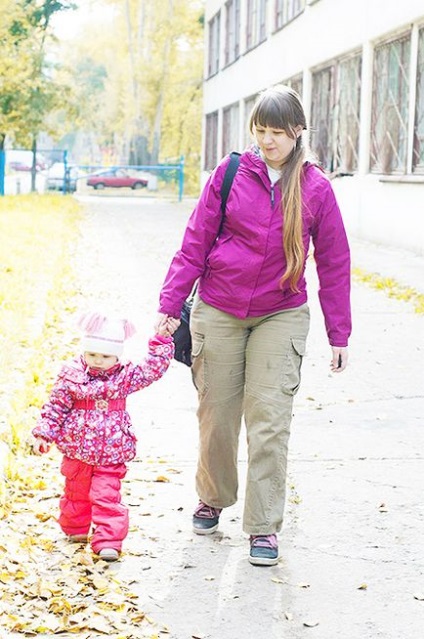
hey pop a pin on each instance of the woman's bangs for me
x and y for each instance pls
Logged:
(271, 113)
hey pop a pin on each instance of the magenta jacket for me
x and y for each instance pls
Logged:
(239, 272)
(99, 436)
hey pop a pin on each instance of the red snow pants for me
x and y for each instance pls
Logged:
(92, 495)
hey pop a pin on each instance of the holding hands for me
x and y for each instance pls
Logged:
(166, 325)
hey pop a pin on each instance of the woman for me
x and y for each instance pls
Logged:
(250, 319)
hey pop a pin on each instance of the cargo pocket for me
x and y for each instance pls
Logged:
(198, 366)
(293, 364)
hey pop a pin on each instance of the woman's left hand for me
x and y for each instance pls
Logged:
(339, 359)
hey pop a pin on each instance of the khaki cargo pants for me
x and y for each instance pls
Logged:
(246, 368)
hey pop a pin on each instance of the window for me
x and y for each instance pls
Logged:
(248, 106)
(230, 129)
(389, 126)
(287, 10)
(211, 140)
(256, 22)
(418, 153)
(347, 114)
(213, 53)
(335, 114)
(232, 31)
(295, 83)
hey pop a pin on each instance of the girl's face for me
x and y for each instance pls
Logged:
(275, 144)
(100, 361)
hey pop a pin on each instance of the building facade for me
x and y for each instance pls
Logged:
(359, 68)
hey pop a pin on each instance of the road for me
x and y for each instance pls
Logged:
(352, 547)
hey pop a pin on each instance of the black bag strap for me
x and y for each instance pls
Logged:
(230, 172)
(227, 182)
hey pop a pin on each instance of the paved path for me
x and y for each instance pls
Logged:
(352, 545)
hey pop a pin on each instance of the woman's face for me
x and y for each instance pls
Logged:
(275, 144)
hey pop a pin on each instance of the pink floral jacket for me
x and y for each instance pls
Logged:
(99, 436)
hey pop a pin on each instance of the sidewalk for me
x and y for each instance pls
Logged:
(403, 266)
(352, 547)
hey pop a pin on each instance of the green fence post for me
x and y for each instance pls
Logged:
(181, 180)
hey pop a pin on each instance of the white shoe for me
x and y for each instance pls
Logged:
(109, 554)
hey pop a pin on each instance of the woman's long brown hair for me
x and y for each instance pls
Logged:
(281, 108)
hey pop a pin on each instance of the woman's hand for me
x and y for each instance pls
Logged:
(172, 324)
(166, 325)
(339, 359)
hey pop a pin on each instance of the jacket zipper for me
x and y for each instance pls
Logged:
(272, 195)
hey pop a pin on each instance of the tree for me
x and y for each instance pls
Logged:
(27, 90)
(147, 106)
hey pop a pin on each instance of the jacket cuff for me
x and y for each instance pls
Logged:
(157, 340)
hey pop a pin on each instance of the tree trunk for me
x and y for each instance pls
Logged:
(157, 126)
(34, 165)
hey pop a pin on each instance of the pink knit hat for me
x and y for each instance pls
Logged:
(103, 334)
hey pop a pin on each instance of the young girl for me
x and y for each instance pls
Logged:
(87, 419)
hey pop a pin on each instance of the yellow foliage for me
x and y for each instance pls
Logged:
(391, 287)
(36, 284)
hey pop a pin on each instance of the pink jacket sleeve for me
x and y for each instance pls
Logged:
(54, 412)
(332, 256)
(156, 363)
(200, 234)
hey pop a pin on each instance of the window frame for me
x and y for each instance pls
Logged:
(285, 11)
(211, 140)
(214, 43)
(417, 160)
(232, 31)
(332, 143)
(256, 23)
(230, 128)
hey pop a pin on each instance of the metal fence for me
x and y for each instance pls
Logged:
(51, 171)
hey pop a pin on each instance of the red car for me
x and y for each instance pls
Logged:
(116, 178)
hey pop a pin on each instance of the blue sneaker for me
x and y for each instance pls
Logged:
(205, 519)
(263, 550)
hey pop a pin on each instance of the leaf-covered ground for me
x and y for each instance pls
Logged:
(48, 586)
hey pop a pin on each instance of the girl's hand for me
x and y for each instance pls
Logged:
(166, 325)
(40, 446)
(172, 324)
(339, 360)
(162, 327)
(161, 318)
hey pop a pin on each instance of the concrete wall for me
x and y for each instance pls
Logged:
(384, 212)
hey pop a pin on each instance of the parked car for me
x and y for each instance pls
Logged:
(55, 180)
(117, 178)
(22, 161)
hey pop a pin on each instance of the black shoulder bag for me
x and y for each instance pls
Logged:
(182, 336)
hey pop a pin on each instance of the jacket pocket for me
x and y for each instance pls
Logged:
(219, 254)
(293, 365)
(198, 341)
